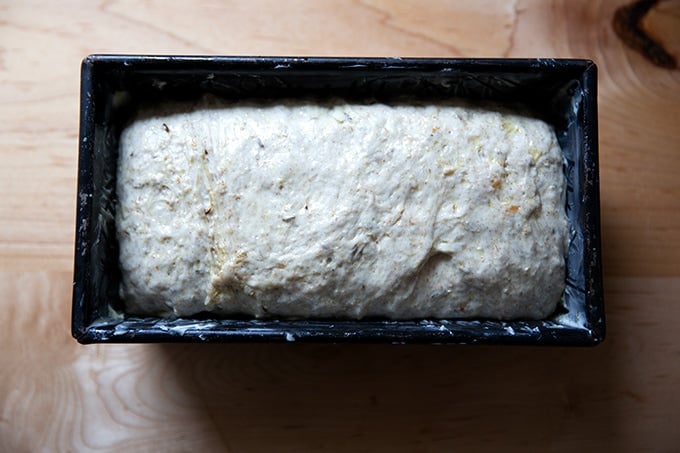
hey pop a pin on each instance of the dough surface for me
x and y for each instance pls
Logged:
(339, 210)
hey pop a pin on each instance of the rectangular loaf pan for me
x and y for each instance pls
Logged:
(562, 92)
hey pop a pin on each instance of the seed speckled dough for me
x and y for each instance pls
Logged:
(340, 210)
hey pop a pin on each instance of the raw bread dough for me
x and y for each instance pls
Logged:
(340, 210)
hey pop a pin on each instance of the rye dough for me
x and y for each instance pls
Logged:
(340, 210)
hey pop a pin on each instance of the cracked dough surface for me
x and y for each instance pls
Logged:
(340, 210)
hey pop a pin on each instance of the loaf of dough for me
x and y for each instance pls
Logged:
(340, 210)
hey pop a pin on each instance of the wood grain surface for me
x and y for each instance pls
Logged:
(56, 395)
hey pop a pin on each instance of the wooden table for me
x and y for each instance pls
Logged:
(56, 395)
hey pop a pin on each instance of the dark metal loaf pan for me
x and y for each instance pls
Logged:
(563, 92)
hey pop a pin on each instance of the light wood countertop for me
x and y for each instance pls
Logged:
(56, 395)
